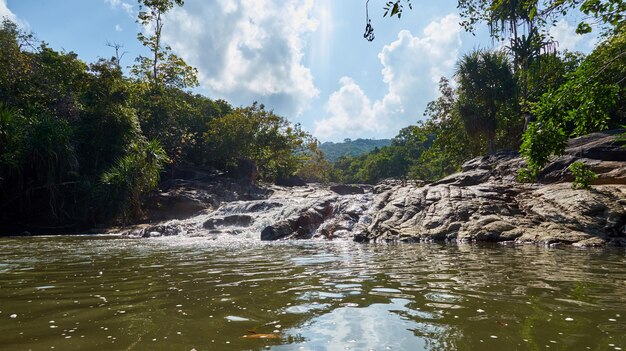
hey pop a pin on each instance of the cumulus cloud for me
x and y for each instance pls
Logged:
(352, 113)
(120, 4)
(5, 12)
(565, 35)
(412, 67)
(247, 50)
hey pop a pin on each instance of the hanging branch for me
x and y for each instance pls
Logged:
(369, 30)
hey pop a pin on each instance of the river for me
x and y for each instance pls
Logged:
(181, 293)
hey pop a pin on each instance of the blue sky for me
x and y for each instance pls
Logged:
(305, 59)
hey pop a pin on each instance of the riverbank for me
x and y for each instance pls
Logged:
(484, 202)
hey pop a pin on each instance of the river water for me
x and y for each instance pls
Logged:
(106, 293)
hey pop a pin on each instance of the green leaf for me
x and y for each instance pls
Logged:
(583, 28)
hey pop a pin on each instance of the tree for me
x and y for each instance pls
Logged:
(255, 134)
(109, 124)
(315, 168)
(592, 98)
(121, 187)
(164, 68)
(64, 125)
(508, 16)
(451, 144)
(486, 86)
(16, 64)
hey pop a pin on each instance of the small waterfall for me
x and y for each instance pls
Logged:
(309, 212)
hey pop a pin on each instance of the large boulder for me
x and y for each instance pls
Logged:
(177, 203)
(290, 181)
(301, 226)
(604, 152)
(345, 189)
(246, 171)
(485, 203)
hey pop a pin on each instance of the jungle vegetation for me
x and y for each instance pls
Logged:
(83, 143)
(528, 97)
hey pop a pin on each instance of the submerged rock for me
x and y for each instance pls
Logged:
(233, 220)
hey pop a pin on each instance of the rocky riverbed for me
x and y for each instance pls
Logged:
(484, 202)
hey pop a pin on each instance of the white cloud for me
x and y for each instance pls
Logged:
(247, 50)
(412, 66)
(127, 7)
(5, 12)
(565, 35)
(352, 113)
(118, 28)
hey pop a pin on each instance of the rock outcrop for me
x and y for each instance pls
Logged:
(195, 192)
(312, 211)
(485, 203)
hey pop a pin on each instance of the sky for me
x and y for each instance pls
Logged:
(306, 60)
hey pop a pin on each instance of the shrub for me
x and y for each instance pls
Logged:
(583, 175)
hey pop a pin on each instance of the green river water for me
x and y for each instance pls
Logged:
(105, 293)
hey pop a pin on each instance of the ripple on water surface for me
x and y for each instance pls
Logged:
(76, 293)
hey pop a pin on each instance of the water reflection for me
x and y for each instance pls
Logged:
(192, 293)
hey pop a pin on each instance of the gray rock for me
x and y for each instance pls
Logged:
(301, 226)
(233, 220)
(343, 189)
(484, 203)
(291, 181)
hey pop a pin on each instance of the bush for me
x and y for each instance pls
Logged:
(137, 173)
(583, 175)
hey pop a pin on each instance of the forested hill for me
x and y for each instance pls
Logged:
(333, 151)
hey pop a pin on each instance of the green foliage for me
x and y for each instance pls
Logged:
(10, 138)
(547, 73)
(393, 161)
(177, 119)
(255, 134)
(333, 151)
(315, 167)
(609, 12)
(395, 8)
(591, 98)
(486, 86)
(43, 165)
(583, 175)
(15, 64)
(525, 175)
(163, 68)
(511, 16)
(541, 140)
(62, 125)
(452, 145)
(121, 187)
(109, 123)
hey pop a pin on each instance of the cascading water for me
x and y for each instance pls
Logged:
(288, 213)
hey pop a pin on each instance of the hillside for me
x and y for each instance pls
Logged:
(333, 151)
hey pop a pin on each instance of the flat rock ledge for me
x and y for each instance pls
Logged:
(485, 203)
(482, 203)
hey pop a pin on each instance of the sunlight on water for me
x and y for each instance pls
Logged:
(106, 293)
